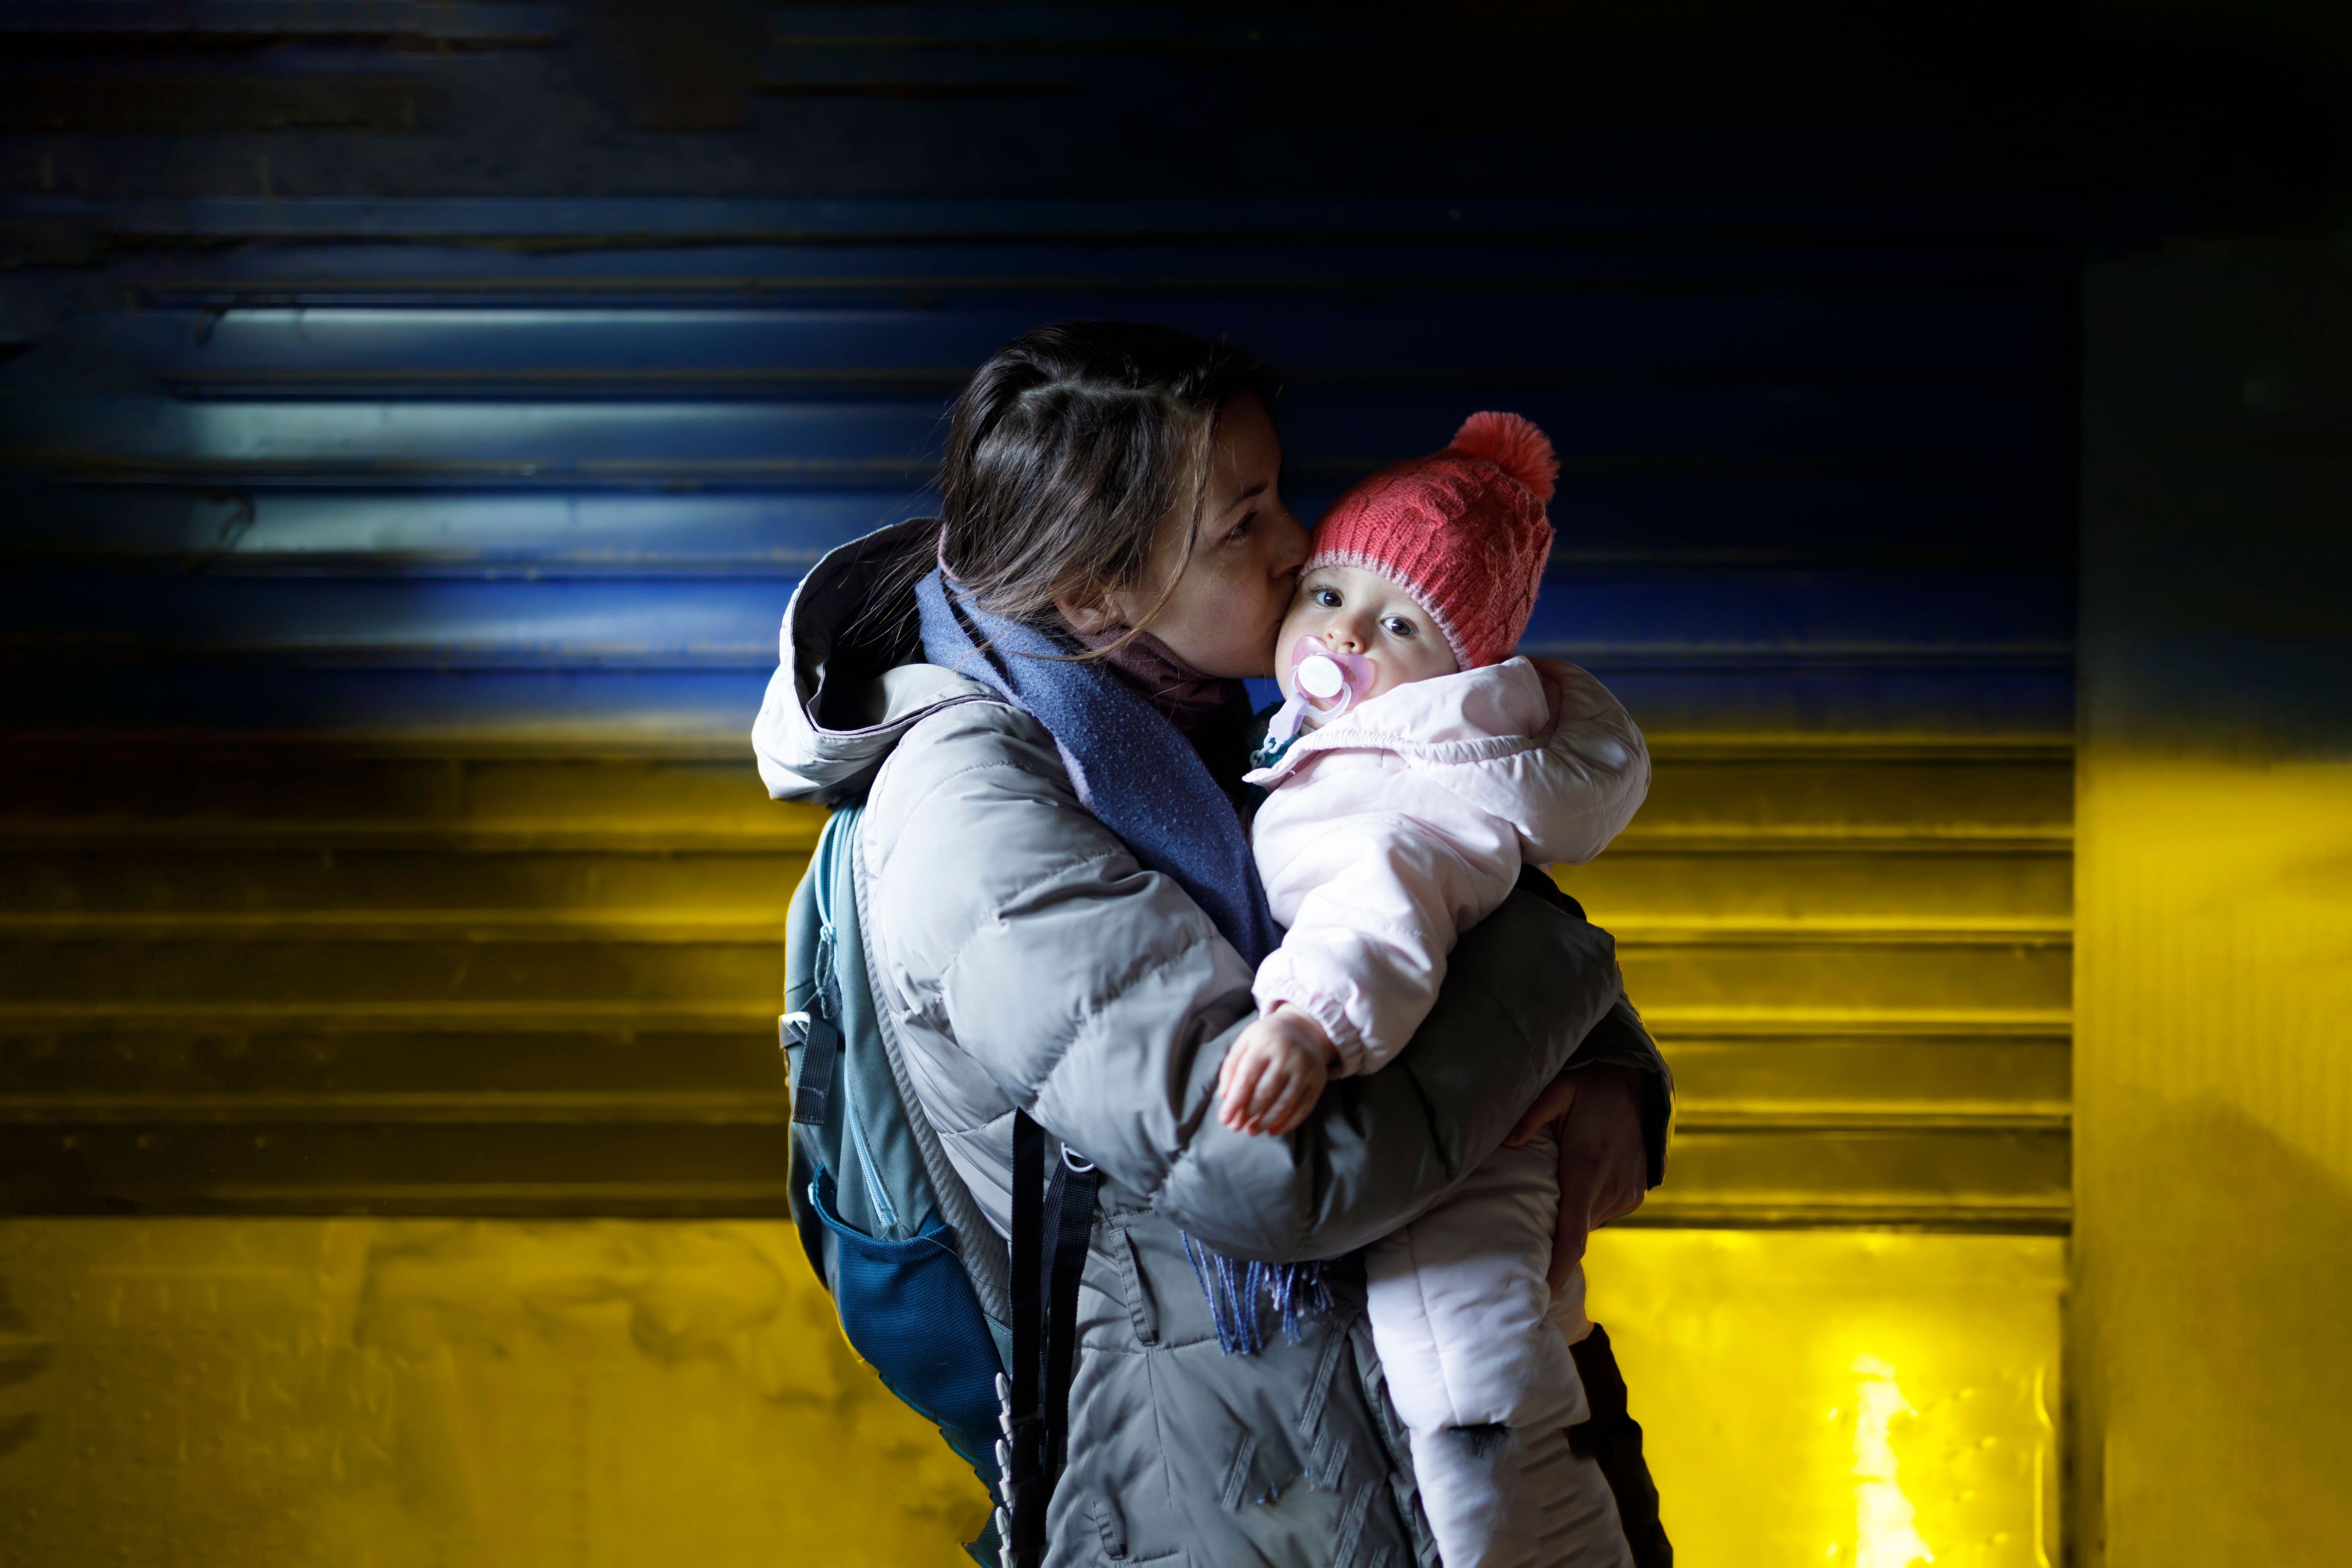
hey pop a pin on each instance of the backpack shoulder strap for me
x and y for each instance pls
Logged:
(984, 1258)
(1052, 1222)
(1029, 1290)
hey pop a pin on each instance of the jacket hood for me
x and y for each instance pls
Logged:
(850, 680)
(1536, 743)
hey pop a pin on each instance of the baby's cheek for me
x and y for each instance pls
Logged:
(1285, 649)
(1386, 677)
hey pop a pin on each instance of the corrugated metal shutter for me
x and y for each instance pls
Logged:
(399, 577)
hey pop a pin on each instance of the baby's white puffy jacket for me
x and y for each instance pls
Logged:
(1404, 822)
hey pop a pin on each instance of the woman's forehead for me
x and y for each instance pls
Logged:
(1246, 448)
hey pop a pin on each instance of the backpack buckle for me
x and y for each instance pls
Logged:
(819, 1045)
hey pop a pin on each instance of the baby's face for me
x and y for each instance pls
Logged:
(1358, 611)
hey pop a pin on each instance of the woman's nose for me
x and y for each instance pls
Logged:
(1286, 548)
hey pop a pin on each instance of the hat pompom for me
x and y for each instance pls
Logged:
(1516, 446)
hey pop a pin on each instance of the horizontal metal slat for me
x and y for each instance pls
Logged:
(1605, 520)
(1859, 789)
(652, 703)
(1827, 1018)
(219, 1063)
(1340, 430)
(1766, 978)
(439, 22)
(419, 1108)
(652, 832)
(549, 927)
(352, 876)
(798, 71)
(83, 67)
(155, 1075)
(1783, 337)
(451, 531)
(166, 105)
(257, 865)
(1956, 1179)
(559, 968)
(1843, 810)
(1664, 617)
(648, 705)
(1047, 278)
(885, 442)
(395, 1166)
(1817, 613)
(515, 783)
(1078, 26)
(1988, 885)
(1880, 215)
(436, 1015)
(673, 1014)
(492, 956)
(708, 922)
(1761, 1084)
(647, 835)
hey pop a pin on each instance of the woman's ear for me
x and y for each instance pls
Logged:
(1088, 619)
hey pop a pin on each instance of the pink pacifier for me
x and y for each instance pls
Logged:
(1331, 681)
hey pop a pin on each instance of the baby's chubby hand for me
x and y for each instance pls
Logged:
(1274, 1072)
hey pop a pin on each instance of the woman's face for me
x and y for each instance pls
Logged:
(1237, 582)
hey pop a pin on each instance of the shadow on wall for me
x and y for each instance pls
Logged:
(2255, 1367)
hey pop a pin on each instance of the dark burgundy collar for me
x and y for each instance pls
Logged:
(1183, 696)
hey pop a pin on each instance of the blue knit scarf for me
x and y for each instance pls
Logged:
(1141, 780)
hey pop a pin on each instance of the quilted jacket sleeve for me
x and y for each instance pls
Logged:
(1097, 996)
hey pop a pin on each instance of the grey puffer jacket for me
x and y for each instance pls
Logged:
(1027, 960)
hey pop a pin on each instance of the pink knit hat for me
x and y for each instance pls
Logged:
(1461, 531)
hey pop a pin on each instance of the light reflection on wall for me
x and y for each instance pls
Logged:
(1884, 1524)
(1782, 1375)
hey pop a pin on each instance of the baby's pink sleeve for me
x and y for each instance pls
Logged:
(1374, 899)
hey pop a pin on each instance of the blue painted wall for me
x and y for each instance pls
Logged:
(1811, 481)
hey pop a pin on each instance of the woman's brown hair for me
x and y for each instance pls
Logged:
(1069, 449)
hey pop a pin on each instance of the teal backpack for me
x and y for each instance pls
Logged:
(977, 1342)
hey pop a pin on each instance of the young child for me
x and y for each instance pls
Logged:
(1414, 767)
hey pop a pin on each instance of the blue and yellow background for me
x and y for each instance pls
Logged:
(416, 414)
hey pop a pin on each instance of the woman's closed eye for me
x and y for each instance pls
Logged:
(1240, 530)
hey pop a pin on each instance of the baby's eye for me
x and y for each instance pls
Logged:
(1328, 598)
(1398, 626)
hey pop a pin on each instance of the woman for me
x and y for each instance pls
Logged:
(1039, 697)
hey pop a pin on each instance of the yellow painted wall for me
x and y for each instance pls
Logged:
(386, 1393)
(2214, 1159)
(411, 1394)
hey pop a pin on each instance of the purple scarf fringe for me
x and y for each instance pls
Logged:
(1235, 1288)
